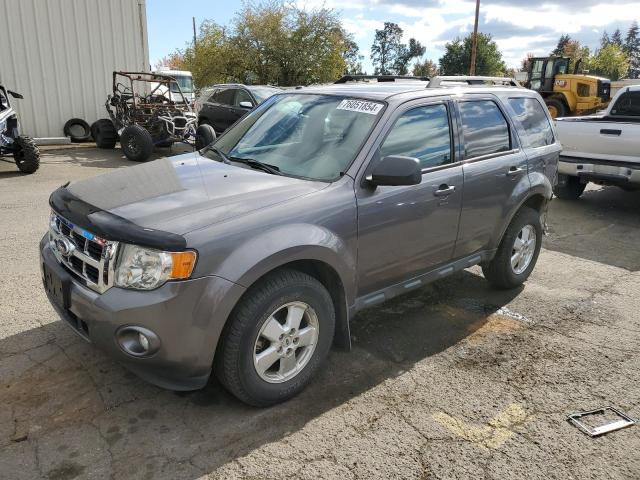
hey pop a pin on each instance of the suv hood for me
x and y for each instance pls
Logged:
(187, 192)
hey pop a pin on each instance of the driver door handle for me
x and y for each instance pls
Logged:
(515, 171)
(444, 190)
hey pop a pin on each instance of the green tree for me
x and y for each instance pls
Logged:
(605, 40)
(616, 38)
(610, 62)
(427, 68)
(559, 50)
(457, 57)
(632, 50)
(389, 55)
(272, 43)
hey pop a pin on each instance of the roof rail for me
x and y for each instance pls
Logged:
(473, 80)
(379, 78)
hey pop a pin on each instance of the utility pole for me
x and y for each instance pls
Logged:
(194, 32)
(474, 46)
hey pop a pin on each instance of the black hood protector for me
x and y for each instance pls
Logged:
(110, 226)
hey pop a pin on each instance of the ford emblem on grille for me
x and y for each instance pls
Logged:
(64, 246)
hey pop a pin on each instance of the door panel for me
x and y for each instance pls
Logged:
(406, 230)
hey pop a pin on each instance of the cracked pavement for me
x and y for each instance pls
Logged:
(452, 381)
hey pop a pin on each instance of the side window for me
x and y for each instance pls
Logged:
(422, 133)
(242, 96)
(484, 128)
(628, 105)
(533, 119)
(211, 96)
(224, 96)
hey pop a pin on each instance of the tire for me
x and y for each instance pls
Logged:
(72, 127)
(556, 107)
(569, 188)
(205, 134)
(104, 133)
(27, 154)
(500, 271)
(242, 338)
(136, 143)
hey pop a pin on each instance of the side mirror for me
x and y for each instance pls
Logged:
(14, 94)
(246, 104)
(396, 170)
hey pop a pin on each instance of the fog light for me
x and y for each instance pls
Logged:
(144, 342)
(137, 341)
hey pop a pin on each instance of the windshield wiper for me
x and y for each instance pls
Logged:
(265, 167)
(217, 151)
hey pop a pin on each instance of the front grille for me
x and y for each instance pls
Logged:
(86, 255)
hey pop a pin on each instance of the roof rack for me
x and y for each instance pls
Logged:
(379, 78)
(472, 80)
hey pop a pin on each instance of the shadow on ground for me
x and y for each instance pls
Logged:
(602, 225)
(73, 412)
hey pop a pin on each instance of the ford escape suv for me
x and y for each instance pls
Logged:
(249, 257)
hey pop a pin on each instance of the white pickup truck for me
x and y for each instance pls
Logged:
(602, 148)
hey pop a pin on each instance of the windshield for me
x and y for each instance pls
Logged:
(308, 136)
(262, 93)
(186, 84)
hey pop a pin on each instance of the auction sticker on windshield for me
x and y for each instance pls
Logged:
(361, 106)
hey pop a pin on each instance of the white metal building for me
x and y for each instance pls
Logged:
(60, 54)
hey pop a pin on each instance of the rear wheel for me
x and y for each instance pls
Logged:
(518, 251)
(26, 154)
(569, 188)
(136, 143)
(277, 338)
(557, 107)
(205, 134)
(104, 133)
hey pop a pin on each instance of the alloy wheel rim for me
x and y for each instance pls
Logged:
(524, 246)
(286, 342)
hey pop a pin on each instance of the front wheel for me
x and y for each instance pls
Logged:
(136, 143)
(277, 338)
(26, 154)
(518, 252)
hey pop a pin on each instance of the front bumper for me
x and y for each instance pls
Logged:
(600, 171)
(186, 316)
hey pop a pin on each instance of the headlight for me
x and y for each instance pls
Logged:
(146, 268)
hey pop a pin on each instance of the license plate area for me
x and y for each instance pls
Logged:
(57, 285)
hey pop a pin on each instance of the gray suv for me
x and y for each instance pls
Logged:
(250, 257)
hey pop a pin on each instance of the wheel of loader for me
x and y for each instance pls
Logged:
(136, 143)
(556, 107)
(26, 154)
(205, 134)
(104, 133)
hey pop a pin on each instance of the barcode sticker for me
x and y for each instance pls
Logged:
(362, 106)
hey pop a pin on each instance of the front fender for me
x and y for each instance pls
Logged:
(287, 243)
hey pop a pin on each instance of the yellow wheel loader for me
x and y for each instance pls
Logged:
(567, 93)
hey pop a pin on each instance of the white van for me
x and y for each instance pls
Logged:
(185, 81)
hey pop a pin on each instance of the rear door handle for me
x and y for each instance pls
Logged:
(611, 131)
(444, 190)
(515, 171)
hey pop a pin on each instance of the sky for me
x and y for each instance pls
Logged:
(518, 26)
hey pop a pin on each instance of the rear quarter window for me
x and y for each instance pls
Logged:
(484, 128)
(531, 115)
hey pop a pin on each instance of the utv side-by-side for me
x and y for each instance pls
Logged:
(148, 110)
(23, 149)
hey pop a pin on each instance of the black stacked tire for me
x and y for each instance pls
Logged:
(104, 133)
(136, 143)
(569, 188)
(499, 271)
(77, 130)
(26, 155)
(234, 361)
(205, 134)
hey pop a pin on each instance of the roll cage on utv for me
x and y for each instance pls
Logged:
(145, 113)
(23, 148)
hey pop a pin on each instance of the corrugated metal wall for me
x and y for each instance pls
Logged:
(60, 55)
